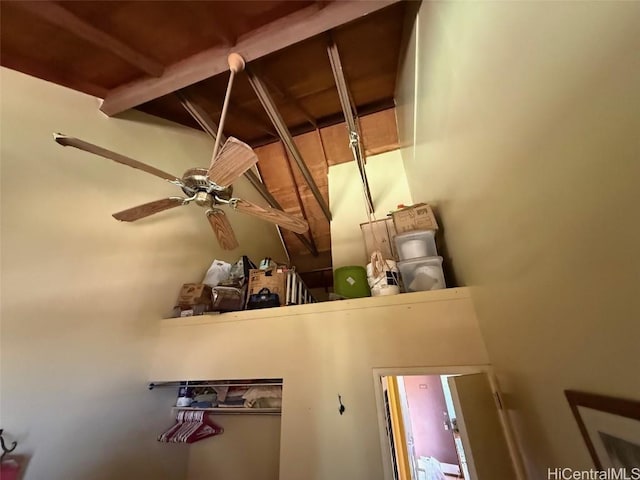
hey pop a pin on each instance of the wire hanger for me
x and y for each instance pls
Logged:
(6, 450)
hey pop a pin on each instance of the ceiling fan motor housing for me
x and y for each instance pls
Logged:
(197, 183)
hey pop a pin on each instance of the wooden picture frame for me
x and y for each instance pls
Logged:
(610, 428)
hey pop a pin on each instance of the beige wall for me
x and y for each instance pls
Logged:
(321, 351)
(528, 119)
(82, 294)
(388, 185)
(249, 449)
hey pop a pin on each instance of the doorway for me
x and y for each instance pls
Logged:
(444, 424)
(427, 440)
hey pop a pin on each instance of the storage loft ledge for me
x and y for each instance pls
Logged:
(446, 294)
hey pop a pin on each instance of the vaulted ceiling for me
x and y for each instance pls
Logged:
(138, 54)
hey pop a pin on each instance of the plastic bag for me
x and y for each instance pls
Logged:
(218, 272)
(382, 275)
(239, 274)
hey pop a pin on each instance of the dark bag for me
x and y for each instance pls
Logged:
(263, 299)
(227, 299)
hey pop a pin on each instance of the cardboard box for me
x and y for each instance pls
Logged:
(384, 231)
(417, 217)
(275, 279)
(194, 294)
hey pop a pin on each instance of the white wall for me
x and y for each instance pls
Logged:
(526, 139)
(82, 294)
(388, 186)
(321, 351)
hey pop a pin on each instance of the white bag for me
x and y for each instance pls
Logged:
(218, 272)
(382, 275)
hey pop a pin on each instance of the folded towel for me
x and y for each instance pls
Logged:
(264, 403)
(263, 392)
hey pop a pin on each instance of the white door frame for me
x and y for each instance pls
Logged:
(378, 373)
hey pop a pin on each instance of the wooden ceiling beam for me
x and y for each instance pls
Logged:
(242, 113)
(36, 69)
(275, 36)
(57, 15)
(204, 119)
(287, 97)
(339, 76)
(328, 121)
(348, 108)
(269, 106)
(198, 113)
(221, 30)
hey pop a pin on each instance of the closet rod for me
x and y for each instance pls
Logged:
(197, 385)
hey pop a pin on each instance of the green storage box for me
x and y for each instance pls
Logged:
(351, 282)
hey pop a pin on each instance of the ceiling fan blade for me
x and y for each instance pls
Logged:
(283, 219)
(222, 229)
(66, 141)
(234, 159)
(141, 211)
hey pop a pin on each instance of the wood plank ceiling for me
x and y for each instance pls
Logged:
(104, 48)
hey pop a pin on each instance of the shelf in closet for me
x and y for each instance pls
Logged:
(233, 411)
(209, 384)
(269, 382)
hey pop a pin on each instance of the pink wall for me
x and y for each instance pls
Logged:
(426, 407)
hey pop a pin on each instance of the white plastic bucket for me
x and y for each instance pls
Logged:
(384, 290)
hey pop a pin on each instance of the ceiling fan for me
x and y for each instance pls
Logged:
(209, 188)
